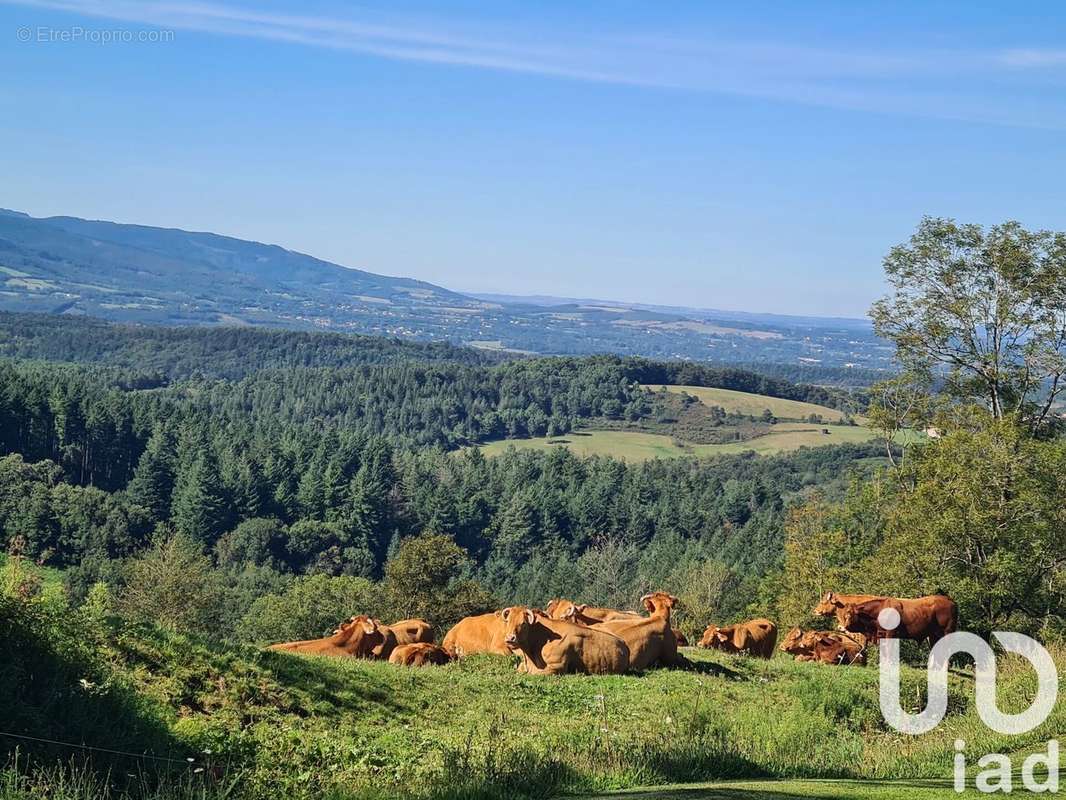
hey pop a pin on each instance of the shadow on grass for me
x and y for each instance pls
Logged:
(789, 790)
(59, 705)
(711, 668)
(327, 687)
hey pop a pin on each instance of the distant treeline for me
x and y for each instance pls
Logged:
(173, 353)
(221, 352)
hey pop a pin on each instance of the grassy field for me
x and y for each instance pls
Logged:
(634, 446)
(255, 724)
(753, 405)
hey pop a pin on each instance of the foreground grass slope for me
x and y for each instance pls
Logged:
(259, 724)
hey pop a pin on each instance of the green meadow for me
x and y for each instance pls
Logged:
(635, 446)
(752, 405)
(259, 724)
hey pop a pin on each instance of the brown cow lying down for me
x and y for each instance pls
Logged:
(419, 654)
(832, 604)
(412, 631)
(930, 617)
(557, 647)
(483, 633)
(584, 614)
(360, 637)
(756, 637)
(826, 647)
(650, 639)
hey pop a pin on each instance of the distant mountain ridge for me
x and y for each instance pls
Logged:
(143, 274)
(715, 313)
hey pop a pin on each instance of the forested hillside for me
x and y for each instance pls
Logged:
(324, 469)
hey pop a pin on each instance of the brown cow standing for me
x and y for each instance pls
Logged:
(360, 637)
(412, 631)
(756, 637)
(483, 633)
(557, 647)
(419, 654)
(832, 604)
(650, 639)
(922, 618)
(826, 647)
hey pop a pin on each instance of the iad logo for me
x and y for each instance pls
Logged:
(997, 775)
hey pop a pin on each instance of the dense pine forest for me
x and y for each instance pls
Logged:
(283, 454)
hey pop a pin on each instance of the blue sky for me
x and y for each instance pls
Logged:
(758, 157)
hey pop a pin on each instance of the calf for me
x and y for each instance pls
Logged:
(756, 637)
(826, 647)
(419, 654)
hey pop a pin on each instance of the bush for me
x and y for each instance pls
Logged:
(173, 585)
(312, 606)
(425, 579)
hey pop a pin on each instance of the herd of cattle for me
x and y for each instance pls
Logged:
(569, 637)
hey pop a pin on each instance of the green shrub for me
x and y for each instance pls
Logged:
(312, 606)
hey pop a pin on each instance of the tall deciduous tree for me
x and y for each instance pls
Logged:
(986, 308)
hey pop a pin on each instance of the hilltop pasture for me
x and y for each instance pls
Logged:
(636, 446)
(255, 724)
(752, 405)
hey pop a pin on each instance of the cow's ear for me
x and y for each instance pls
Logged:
(580, 608)
(370, 626)
(530, 616)
(830, 597)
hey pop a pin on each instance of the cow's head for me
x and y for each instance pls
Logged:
(718, 638)
(660, 602)
(564, 609)
(710, 636)
(364, 634)
(517, 622)
(794, 641)
(813, 639)
(827, 606)
(856, 619)
(571, 611)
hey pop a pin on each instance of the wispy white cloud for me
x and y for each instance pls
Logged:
(1033, 58)
(945, 84)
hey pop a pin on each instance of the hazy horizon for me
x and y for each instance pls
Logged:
(709, 157)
